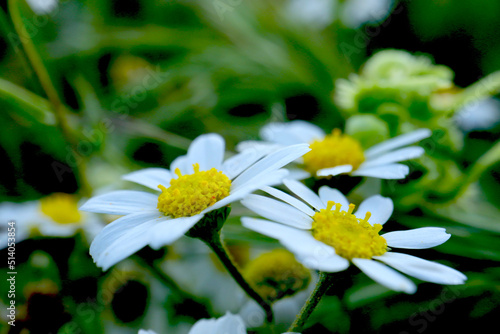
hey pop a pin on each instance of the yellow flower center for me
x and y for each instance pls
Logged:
(62, 208)
(190, 194)
(277, 274)
(351, 237)
(334, 150)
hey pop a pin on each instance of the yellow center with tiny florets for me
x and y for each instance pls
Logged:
(62, 208)
(190, 194)
(351, 237)
(334, 150)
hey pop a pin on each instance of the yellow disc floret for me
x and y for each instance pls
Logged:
(351, 237)
(277, 274)
(334, 150)
(190, 194)
(62, 208)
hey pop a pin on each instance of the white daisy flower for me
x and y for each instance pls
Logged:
(201, 182)
(55, 215)
(338, 153)
(227, 324)
(326, 235)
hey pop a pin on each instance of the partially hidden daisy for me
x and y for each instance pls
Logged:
(227, 324)
(196, 184)
(325, 234)
(55, 215)
(337, 153)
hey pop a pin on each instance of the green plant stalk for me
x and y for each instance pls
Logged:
(215, 243)
(324, 282)
(47, 85)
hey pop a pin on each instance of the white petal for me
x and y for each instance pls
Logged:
(255, 145)
(150, 177)
(207, 150)
(204, 326)
(381, 209)
(121, 202)
(130, 242)
(235, 165)
(420, 238)
(271, 162)
(298, 174)
(423, 269)
(329, 194)
(181, 162)
(334, 170)
(304, 193)
(289, 199)
(386, 172)
(310, 252)
(171, 230)
(397, 142)
(385, 275)
(402, 154)
(144, 331)
(265, 180)
(277, 211)
(114, 230)
(230, 323)
(290, 133)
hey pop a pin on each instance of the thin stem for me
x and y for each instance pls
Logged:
(58, 107)
(220, 250)
(324, 282)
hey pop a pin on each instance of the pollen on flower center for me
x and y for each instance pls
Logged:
(335, 149)
(190, 194)
(62, 208)
(351, 237)
(277, 274)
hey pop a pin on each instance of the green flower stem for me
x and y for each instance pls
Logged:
(58, 107)
(215, 243)
(324, 282)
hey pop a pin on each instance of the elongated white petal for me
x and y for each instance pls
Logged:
(297, 174)
(150, 177)
(386, 172)
(121, 202)
(277, 211)
(290, 200)
(329, 194)
(171, 230)
(207, 150)
(381, 209)
(422, 269)
(290, 133)
(385, 275)
(233, 166)
(229, 323)
(304, 193)
(419, 238)
(254, 184)
(334, 170)
(310, 252)
(397, 142)
(271, 162)
(130, 242)
(256, 145)
(114, 230)
(402, 154)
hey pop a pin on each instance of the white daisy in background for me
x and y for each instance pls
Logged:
(324, 234)
(227, 324)
(201, 182)
(338, 153)
(55, 215)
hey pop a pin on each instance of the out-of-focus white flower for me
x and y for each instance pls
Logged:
(326, 235)
(479, 115)
(55, 215)
(355, 13)
(42, 7)
(315, 13)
